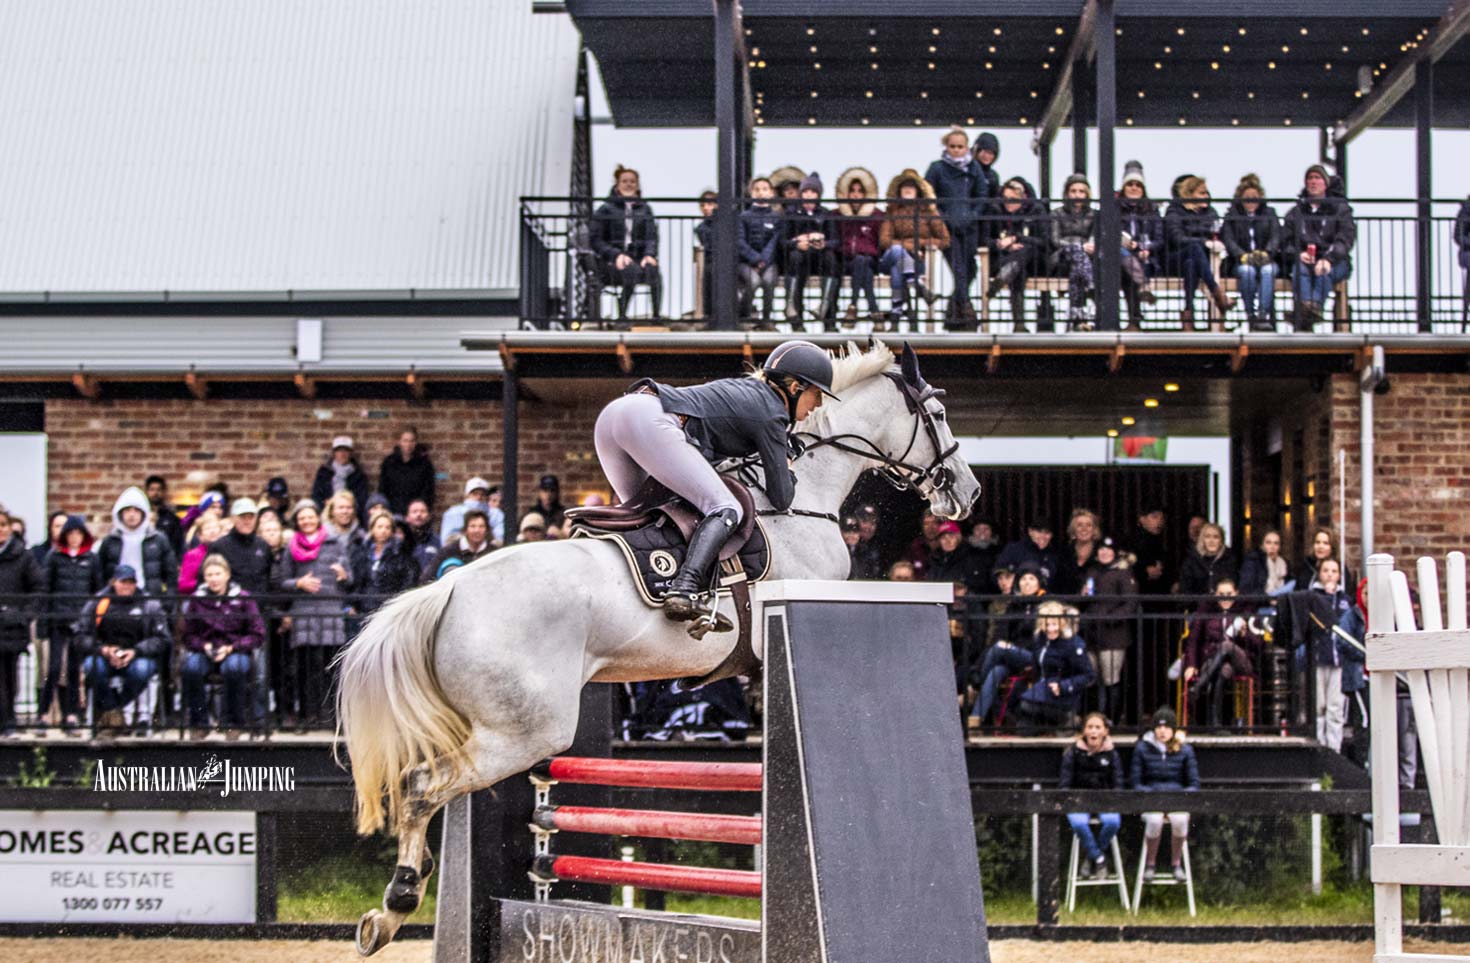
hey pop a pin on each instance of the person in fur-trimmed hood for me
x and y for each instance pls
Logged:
(911, 228)
(1092, 763)
(860, 225)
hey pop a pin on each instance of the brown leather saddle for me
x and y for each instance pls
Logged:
(652, 530)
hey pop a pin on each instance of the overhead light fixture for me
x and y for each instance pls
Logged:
(1171, 386)
(1112, 432)
(1150, 402)
(1129, 421)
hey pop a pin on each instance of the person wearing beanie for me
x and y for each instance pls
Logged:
(73, 573)
(810, 239)
(859, 225)
(987, 152)
(1017, 230)
(961, 188)
(760, 237)
(1191, 235)
(1162, 762)
(1074, 244)
(911, 227)
(1252, 236)
(1143, 240)
(1317, 239)
(625, 236)
(704, 239)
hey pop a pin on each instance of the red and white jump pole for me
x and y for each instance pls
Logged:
(674, 879)
(700, 827)
(647, 774)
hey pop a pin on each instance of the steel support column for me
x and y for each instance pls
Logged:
(510, 455)
(1079, 120)
(1043, 188)
(1109, 228)
(1423, 141)
(724, 303)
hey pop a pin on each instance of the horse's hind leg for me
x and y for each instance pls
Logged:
(493, 759)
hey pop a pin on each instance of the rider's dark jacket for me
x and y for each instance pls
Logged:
(731, 418)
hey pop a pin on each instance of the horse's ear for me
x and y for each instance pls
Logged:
(910, 366)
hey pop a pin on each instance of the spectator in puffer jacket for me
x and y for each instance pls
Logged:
(962, 189)
(1017, 228)
(861, 223)
(134, 542)
(1074, 244)
(248, 554)
(1191, 226)
(73, 576)
(1252, 236)
(987, 152)
(760, 236)
(625, 237)
(125, 634)
(1035, 548)
(382, 566)
(222, 630)
(1092, 763)
(1063, 670)
(20, 580)
(1326, 604)
(1317, 239)
(1142, 239)
(1163, 763)
(810, 239)
(911, 228)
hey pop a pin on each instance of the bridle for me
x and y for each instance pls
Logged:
(899, 471)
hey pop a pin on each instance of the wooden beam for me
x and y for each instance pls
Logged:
(198, 387)
(417, 384)
(748, 354)
(1059, 105)
(87, 386)
(992, 363)
(1238, 356)
(1444, 35)
(625, 358)
(305, 385)
(507, 357)
(1115, 360)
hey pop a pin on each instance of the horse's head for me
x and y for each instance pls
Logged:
(895, 421)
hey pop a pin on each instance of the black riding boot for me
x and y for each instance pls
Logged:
(692, 579)
(831, 287)
(793, 298)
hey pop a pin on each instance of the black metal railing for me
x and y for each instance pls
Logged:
(563, 250)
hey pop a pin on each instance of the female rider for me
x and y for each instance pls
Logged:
(676, 435)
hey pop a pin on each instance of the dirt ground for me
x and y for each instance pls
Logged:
(418, 951)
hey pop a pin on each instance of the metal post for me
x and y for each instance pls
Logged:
(1423, 137)
(1049, 861)
(510, 456)
(727, 121)
(1316, 847)
(1044, 173)
(1109, 228)
(1079, 119)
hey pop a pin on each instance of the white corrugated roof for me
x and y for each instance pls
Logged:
(275, 145)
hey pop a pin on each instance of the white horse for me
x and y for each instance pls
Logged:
(458, 685)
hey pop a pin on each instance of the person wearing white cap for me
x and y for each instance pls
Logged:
(476, 497)
(341, 471)
(248, 554)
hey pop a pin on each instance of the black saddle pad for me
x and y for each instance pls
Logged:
(655, 552)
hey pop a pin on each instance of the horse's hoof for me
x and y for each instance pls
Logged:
(374, 931)
(402, 894)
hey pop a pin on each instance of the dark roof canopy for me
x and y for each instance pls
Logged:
(1250, 63)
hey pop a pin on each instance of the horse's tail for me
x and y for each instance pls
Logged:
(391, 712)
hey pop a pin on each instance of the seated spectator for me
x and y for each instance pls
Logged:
(1317, 240)
(476, 498)
(1266, 571)
(925, 544)
(341, 472)
(1252, 236)
(1219, 648)
(222, 628)
(383, 566)
(625, 239)
(1191, 229)
(419, 536)
(1017, 228)
(704, 239)
(207, 532)
(1210, 562)
(1091, 763)
(277, 496)
(1163, 763)
(911, 228)
(1003, 578)
(248, 554)
(474, 543)
(1111, 631)
(1462, 241)
(1074, 243)
(1326, 604)
(962, 189)
(134, 542)
(810, 241)
(548, 502)
(73, 573)
(1063, 670)
(1035, 548)
(863, 558)
(902, 571)
(1011, 653)
(41, 549)
(1078, 566)
(316, 569)
(954, 561)
(125, 635)
(760, 236)
(860, 227)
(20, 577)
(407, 473)
(533, 528)
(1143, 240)
(164, 518)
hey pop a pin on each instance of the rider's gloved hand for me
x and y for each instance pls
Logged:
(795, 446)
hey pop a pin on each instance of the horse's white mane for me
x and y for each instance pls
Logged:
(850, 368)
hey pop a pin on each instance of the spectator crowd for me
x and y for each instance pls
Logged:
(960, 208)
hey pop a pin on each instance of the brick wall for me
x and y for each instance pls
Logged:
(99, 448)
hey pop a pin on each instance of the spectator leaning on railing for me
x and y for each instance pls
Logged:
(20, 580)
(1318, 237)
(126, 634)
(1252, 236)
(625, 239)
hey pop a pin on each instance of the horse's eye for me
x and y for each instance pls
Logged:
(938, 415)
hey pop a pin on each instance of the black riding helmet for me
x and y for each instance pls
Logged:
(804, 362)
